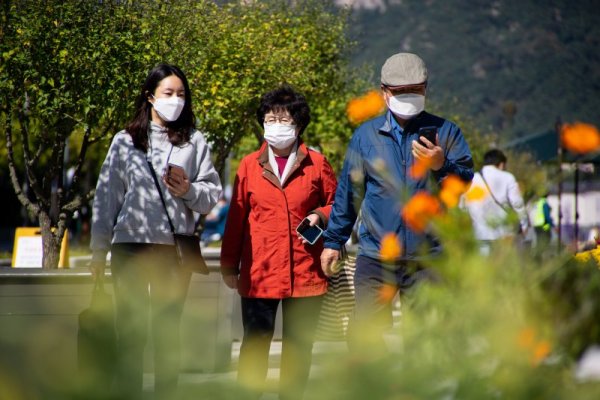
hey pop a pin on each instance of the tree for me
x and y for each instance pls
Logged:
(234, 53)
(65, 72)
(69, 73)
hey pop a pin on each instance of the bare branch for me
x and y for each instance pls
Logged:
(17, 187)
(77, 202)
(80, 161)
(34, 184)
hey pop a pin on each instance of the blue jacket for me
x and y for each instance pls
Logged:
(375, 180)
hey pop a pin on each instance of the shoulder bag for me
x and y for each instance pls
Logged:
(187, 246)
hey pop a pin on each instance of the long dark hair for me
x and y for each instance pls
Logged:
(178, 131)
(285, 98)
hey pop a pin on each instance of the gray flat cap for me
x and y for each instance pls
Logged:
(403, 69)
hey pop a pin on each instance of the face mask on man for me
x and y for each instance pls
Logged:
(168, 108)
(280, 136)
(406, 105)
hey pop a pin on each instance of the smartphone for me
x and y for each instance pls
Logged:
(429, 132)
(175, 173)
(309, 233)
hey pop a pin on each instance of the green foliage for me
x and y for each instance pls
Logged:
(236, 52)
(486, 329)
(69, 74)
(572, 292)
(65, 82)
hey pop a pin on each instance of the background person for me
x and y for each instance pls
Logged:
(375, 179)
(490, 215)
(130, 220)
(262, 256)
(214, 224)
(543, 223)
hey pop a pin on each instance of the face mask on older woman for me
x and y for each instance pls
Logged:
(280, 136)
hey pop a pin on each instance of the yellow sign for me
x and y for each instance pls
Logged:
(28, 249)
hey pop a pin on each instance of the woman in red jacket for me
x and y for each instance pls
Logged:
(262, 255)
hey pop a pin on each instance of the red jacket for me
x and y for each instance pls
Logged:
(260, 241)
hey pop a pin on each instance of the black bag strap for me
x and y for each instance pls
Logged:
(162, 198)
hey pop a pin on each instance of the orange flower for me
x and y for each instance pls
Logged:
(452, 188)
(540, 352)
(580, 138)
(390, 247)
(387, 293)
(362, 108)
(419, 169)
(476, 193)
(419, 210)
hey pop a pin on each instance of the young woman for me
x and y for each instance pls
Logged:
(130, 221)
(263, 256)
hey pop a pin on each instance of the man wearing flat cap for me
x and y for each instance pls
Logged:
(376, 181)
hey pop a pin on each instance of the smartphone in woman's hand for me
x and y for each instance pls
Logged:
(175, 174)
(310, 233)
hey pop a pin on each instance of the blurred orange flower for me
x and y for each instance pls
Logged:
(452, 188)
(419, 169)
(540, 352)
(387, 293)
(365, 107)
(476, 193)
(580, 138)
(538, 349)
(419, 210)
(390, 247)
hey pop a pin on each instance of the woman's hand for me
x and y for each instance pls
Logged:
(231, 281)
(97, 269)
(177, 186)
(314, 220)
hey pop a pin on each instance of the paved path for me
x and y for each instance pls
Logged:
(202, 383)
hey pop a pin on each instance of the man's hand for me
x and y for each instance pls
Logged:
(431, 153)
(231, 281)
(329, 260)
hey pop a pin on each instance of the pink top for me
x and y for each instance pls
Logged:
(281, 161)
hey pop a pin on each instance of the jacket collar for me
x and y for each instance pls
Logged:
(268, 173)
(387, 126)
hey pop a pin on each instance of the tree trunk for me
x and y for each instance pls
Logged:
(50, 242)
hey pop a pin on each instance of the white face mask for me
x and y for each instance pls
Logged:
(168, 108)
(280, 136)
(406, 105)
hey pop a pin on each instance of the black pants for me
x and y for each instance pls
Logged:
(147, 280)
(300, 317)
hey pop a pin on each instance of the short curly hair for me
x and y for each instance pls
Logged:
(285, 98)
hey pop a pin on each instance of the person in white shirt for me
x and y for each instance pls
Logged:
(490, 214)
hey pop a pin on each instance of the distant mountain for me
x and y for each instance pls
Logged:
(513, 65)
